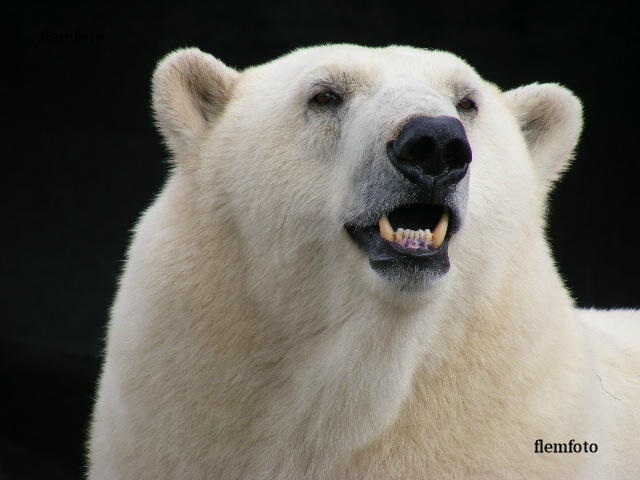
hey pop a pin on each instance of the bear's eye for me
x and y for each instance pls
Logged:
(467, 104)
(326, 98)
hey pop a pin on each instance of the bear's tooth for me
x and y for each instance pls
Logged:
(420, 233)
(399, 234)
(386, 231)
(427, 235)
(440, 230)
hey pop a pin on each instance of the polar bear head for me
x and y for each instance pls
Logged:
(373, 171)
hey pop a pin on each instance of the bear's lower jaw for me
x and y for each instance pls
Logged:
(408, 268)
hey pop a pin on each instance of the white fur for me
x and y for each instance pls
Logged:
(251, 339)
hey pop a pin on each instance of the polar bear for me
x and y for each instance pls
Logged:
(346, 277)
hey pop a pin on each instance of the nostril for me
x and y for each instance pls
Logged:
(420, 151)
(456, 154)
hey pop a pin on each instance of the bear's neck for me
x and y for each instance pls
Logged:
(373, 370)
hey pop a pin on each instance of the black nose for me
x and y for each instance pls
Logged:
(431, 149)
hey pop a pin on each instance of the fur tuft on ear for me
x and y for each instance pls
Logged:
(190, 89)
(550, 117)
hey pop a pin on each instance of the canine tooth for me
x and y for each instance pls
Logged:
(385, 229)
(440, 230)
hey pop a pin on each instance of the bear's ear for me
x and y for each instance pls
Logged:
(189, 90)
(550, 117)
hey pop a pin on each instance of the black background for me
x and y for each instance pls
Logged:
(84, 159)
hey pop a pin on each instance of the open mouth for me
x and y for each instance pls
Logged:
(415, 228)
(408, 240)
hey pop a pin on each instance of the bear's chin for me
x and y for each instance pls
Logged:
(410, 274)
(403, 269)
